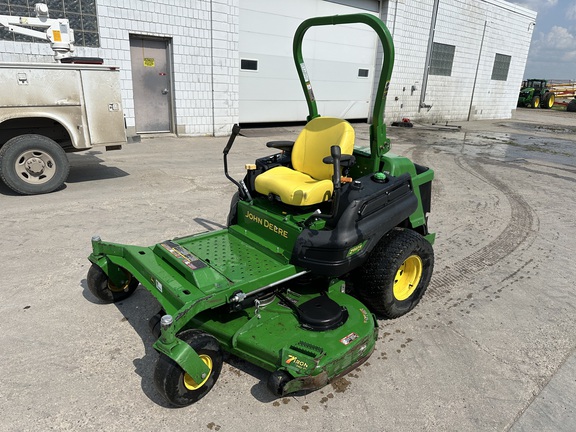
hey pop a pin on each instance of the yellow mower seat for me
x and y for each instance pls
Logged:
(310, 180)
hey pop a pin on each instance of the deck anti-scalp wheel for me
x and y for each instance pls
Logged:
(397, 273)
(103, 289)
(175, 385)
(276, 382)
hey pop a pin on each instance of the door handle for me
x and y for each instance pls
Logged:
(165, 91)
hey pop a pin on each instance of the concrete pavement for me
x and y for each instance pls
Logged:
(490, 347)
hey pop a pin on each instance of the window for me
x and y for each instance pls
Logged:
(442, 59)
(363, 73)
(501, 67)
(251, 65)
(80, 13)
(369, 5)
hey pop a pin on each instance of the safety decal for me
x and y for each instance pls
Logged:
(189, 260)
(349, 339)
(158, 284)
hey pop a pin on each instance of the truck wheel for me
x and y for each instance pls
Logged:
(535, 102)
(571, 107)
(104, 290)
(396, 274)
(33, 164)
(175, 385)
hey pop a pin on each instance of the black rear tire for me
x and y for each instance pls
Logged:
(571, 106)
(547, 100)
(104, 290)
(174, 384)
(33, 164)
(396, 274)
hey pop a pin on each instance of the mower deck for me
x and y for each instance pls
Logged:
(196, 278)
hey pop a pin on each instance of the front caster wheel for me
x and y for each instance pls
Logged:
(277, 381)
(103, 289)
(154, 324)
(393, 279)
(175, 385)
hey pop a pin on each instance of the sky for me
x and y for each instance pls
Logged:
(552, 54)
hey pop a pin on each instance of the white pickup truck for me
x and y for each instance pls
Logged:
(49, 109)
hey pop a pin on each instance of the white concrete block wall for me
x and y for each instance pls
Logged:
(409, 23)
(205, 56)
(205, 47)
(509, 31)
(469, 92)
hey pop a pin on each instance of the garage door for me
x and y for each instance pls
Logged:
(340, 60)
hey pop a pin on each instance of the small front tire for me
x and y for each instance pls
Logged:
(175, 385)
(396, 274)
(277, 381)
(104, 290)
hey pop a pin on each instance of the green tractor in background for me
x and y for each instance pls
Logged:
(535, 94)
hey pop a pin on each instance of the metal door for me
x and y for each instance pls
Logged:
(151, 82)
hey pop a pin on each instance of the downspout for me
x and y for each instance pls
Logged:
(428, 56)
(477, 69)
(212, 71)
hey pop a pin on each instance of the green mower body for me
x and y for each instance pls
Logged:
(272, 288)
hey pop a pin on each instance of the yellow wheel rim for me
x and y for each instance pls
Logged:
(407, 277)
(189, 383)
(551, 100)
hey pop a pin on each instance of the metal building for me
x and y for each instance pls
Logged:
(197, 67)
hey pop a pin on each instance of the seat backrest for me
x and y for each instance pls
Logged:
(314, 142)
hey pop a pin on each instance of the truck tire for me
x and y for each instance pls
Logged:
(33, 164)
(571, 107)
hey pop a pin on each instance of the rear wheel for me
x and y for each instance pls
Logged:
(571, 106)
(175, 385)
(33, 164)
(535, 102)
(548, 100)
(105, 290)
(397, 273)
